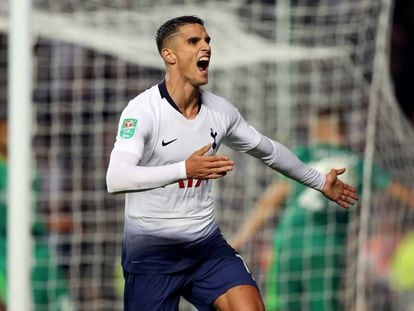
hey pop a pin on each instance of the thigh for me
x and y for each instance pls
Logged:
(240, 298)
(151, 292)
(224, 281)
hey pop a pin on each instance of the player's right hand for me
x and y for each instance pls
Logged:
(201, 166)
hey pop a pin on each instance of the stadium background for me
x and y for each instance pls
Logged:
(82, 82)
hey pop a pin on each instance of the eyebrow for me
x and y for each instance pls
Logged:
(192, 38)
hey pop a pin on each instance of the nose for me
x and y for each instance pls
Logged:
(206, 46)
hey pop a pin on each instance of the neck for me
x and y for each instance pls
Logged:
(185, 95)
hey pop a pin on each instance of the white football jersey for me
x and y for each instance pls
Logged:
(152, 127)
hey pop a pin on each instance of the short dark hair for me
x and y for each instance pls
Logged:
(171, 26)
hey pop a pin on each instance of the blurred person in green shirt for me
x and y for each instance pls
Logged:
(308, 248)
(49, 287)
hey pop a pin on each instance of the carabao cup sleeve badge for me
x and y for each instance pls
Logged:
(128, 128)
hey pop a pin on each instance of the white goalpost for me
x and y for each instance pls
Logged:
(19, 140)
(276, 61)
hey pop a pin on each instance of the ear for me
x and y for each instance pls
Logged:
(168, 56)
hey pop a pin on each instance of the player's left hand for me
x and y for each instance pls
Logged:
(338, 191)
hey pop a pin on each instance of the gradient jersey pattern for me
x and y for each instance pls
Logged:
(166, 224)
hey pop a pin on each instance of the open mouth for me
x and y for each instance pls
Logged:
(203, 63)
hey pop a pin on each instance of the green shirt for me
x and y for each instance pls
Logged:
(44, 269)
(306, 206)
(312, 229)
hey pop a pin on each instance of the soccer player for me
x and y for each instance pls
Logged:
(165, 158)
(309, 239)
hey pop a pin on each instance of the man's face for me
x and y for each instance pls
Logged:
(191, 47)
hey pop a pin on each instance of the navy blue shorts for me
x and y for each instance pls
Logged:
(200, 284)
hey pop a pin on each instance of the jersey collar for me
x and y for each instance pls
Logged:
(162, 87)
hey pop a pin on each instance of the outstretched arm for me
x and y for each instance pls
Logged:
(280, 158)
(244, 138)
(338, 191)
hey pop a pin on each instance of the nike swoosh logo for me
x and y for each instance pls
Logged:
(165, 143)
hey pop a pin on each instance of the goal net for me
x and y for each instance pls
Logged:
(279, 62)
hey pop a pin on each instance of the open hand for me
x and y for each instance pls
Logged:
(338, 191)
(201, 166)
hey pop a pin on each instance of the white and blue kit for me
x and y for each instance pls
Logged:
(169, 219)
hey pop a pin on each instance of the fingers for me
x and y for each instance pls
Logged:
(340, 171)
(349, 188)
(211, 175)
(347, 199)
(348, 196)
(351, 194)
(218, 169)
(215, 175)
(343, 204)
(337, 171)
(203, 150)
(218, 162)
(202, 166)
